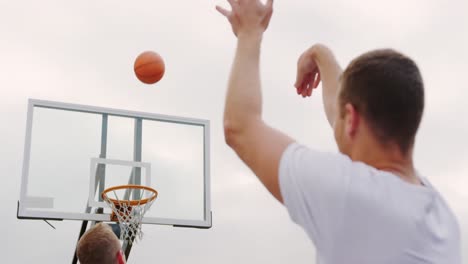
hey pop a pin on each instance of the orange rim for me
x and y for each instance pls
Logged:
(129, 202)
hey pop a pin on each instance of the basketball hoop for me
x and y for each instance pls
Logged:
(129, 212)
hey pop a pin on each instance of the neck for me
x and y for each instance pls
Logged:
(388, 158)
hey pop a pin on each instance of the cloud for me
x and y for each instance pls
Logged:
(83, 52)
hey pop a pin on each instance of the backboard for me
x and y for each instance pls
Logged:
(73, 152)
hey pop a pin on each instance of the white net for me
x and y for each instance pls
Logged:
(129, 213)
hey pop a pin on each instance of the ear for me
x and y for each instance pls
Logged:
(120, 257)
(352, 120)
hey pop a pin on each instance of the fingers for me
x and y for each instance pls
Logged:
(308, 76)
(299, 81)
(309, 90)
(223, 11)
(312, 83)
(299, 87)
(302, 80)
(300, 75)
(308, 84)
(317, 80)
(269, 4)
(267, 18)
(234, 4)
(302, 70)
(302, 88)
(304, 91)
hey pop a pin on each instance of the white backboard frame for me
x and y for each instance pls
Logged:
(25, 201)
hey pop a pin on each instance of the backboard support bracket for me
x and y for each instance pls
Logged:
(45, 220)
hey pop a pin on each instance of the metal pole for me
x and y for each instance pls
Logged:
(100, 173)
(136, 174)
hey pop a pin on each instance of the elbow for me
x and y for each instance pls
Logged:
(232, 133)
(236, 132)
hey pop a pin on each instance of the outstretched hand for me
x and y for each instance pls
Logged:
(308, 74)
(248, 16)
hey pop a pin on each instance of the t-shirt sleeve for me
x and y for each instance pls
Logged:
(314, 187)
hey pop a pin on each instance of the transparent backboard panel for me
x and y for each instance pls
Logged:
(74, 152)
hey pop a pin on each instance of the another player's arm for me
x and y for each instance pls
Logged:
(318, 62)
(256, 143)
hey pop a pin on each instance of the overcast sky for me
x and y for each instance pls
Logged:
(83, 52)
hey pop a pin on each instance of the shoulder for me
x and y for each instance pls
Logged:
(304, 164)
(329, 174)
(300, 156)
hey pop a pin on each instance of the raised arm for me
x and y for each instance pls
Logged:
(257, 144)
(315, 64)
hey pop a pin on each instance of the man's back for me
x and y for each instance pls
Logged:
(354, 213)
(357, 214)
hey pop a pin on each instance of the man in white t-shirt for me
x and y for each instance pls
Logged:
(366, 204)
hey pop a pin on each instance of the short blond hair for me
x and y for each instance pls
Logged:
(99, 245)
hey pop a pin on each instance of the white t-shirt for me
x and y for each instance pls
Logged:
(356, 214)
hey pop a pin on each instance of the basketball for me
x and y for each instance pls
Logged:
(149, 67)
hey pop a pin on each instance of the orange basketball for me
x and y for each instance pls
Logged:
(149, 67)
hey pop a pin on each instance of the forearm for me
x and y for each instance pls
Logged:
(330, 72)
(244, 98)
